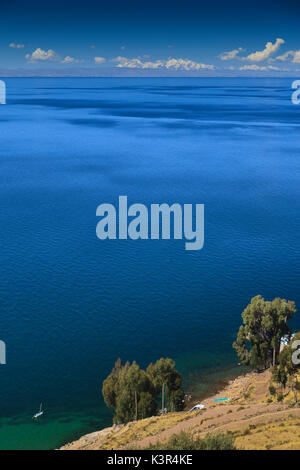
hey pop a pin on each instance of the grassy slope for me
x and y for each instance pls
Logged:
(255, 418)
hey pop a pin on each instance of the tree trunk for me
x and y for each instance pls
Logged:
(274, 356)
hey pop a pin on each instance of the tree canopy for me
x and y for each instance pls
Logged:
(164, 376)
(288, 368)
(133, 393)
(264, 325)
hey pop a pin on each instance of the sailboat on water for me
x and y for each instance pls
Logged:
(40, 413)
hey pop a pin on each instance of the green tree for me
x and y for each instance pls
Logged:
(287, 370)
(264, 325)
(166, 378)
(137, 386)
(110, 387)
(147, 405)
(133, 393)
(175, 393)
(129, 391)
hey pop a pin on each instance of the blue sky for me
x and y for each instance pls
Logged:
(150, 38)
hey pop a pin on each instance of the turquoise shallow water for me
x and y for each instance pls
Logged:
(70, 304)
(49, 432)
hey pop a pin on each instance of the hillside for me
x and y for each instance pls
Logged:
(256, 419)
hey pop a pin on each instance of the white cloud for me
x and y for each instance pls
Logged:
(296, 58)
(183, 64)
(229, 55)
(293, 55)
(284, 56)
(41, 55)
(99, 60)
(16, 46)
(253, 67)
(137, 63)
(269, 49)
(187, 65)
(71, 60)
(68, 60)
(258, 68)
(152, 65)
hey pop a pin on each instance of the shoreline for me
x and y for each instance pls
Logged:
(219, 384)
(228, 388)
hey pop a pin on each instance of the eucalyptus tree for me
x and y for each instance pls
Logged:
(287, 371)
(133, 393)
(129, 391)
(264, 326)
(166, 378)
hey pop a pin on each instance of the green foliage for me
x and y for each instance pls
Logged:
(272, 390)
(286, 372)
(133, 392)
(297, 385)
(264, 325)
(163, 373)
(279, 375)
(147, 405)
(185, 441)
(176, 399)
(280, 397)
(110, 385)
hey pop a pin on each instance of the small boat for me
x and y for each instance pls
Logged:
(40, 413)
(197, 407)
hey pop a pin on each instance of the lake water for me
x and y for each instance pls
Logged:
(71, 304)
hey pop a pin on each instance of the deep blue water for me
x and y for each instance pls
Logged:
(71, 304)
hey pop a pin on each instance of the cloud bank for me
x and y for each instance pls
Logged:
(259, 61)
(257, 68)
(177, 64)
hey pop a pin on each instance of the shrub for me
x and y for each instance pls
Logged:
(272, 390)
(246, 432)
(185, 441)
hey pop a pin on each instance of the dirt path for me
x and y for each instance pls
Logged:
(221, 418)
(247, 406)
